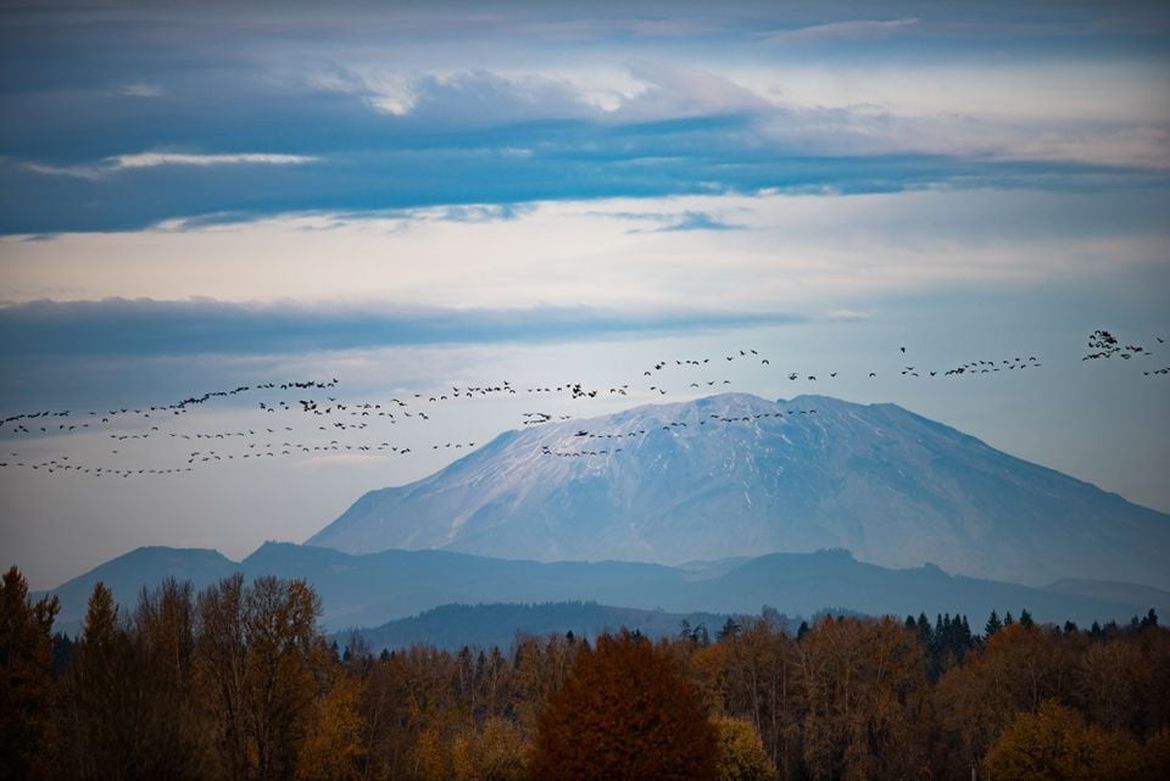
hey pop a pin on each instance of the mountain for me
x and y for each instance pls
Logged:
(127, 574)
(453, 626)
(735, 475)
(371, 589)
(1111, 591)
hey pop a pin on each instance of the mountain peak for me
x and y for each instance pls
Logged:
(735, 475)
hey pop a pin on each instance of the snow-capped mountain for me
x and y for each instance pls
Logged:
(737, 475)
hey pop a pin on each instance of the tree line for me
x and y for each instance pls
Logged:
(238, 682)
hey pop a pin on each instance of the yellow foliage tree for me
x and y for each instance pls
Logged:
(429, 756)
(741, 755)
(332, 748)
(1055, 742)
(497, 753)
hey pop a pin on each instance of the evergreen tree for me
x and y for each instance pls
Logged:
(1026, 618)
(700, 636)
(993, 625)
(101, 617)
(103, 710)
(1007, 619)
(730, 630)
(924, 632)
(26, 659)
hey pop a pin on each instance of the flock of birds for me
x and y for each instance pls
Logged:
(327, 422)
(670, 427)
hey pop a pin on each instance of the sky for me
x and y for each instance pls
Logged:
(412, 197)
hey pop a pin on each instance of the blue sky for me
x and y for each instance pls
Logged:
(411, 195)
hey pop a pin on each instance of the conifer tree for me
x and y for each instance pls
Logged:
(25, 676)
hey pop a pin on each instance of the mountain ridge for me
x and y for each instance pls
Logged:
(371, 589)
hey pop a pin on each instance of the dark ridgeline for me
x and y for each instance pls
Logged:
(236, 682)
(371, 589)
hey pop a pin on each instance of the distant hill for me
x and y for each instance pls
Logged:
(735, 475)
(127, 574)
(484, 626)
(369, 590)
(1111, 591)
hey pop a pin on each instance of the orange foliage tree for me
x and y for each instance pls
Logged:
(626, 712)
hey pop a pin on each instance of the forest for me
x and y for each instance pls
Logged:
(238, 682)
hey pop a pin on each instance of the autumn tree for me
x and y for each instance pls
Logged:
(1055, 742)
(1156, 755)
(103, 733)
(625, 712)
(741, 755)
(258, 651)
(859, 679)
(387, 732)
(26, 667)
(162, 643)
(753, 675)
(497, 752)
(332, 749)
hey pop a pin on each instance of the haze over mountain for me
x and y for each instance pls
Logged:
(454, 626)
(371, 589)
(736, 475)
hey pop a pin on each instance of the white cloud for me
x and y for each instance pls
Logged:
(674, 91)
(140, 160)
(1097, 114)
(803, 253)
(139, 89)
(152, 159)
(835, 31)
(868, 131)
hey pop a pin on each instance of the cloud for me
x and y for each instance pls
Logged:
(121, 327)
(651, 90)
(474, 98)
(674, 91)
(141, 160)
(694, 221)
(438, 107)
(853, 29)
(848, 315)
(804, 253)
(673, 222)
(139, 89)
(475, 212)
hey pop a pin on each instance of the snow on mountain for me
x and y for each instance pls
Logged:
(737, 475)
